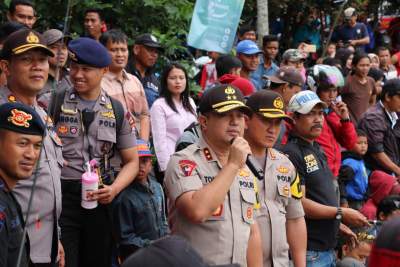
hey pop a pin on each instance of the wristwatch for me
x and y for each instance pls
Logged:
(339, 214)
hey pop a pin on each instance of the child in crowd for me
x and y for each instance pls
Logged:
(388, 208)
(356, 172)
(138, 212)
(354, 253)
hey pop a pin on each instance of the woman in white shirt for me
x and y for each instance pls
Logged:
(171, 113)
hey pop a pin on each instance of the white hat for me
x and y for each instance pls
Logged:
(304, 101)
(349, 12)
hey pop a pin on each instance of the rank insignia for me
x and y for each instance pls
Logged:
(218, 211)
(207, 154)
(187, 167)
(11, 99)
(109, 106)
(108, 114)
(283, 169)
(62, 129)
(20, 118)
(249, 213)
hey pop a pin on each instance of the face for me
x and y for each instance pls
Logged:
(309, 125)
(61, 54)
(249, 62)
(384, 58)
(250, 35)
(271, 50)
(86, 78)
(222, 128)
(27, 72)
(362, 67)
(262, 131)
(24, 14)
(361, 146)
(93, 24)
(331, 50)
(119, 55)
(145, 165)
(146, 56)
(299, 64)
(392, 103)
(361, 252)
(328, 96)
(349, 61)
(379, 85)
(288, 91)
(19, 153)
(176, 81)
(375, 62)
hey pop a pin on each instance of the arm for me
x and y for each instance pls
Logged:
(159, 131)
(296, 232)
(345, 132)
(254, 248)
(197, 206)
(386, 162)
(144, 127)
(363, 41)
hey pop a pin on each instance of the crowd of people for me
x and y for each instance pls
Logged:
(283, 159)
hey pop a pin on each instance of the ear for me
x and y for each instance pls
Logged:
(9, 16)
(104, 70)
(5, 67)
(202, 121)
(136, 50)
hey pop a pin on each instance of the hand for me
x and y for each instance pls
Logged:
(104, 195)
(238, 152)
(354, 218)
(353, 42)
(341, 109)
(347, 231)
(61, 255)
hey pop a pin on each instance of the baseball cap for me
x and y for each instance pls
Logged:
(223, 98)
(149, 40)
(349, 12)
(22, 41)
(268, 104)
(248, 47)
(304, 101)
(53, 35)
(143, 149)
(287, 74)
(89, 52)
(292, 55)
(171, 251)
(20, 118)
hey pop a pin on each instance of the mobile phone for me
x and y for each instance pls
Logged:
(310, 48)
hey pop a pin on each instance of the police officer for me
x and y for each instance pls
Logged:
(25, 62)
(91, 126)
(281, 215)
(21, 131)
(210, 189)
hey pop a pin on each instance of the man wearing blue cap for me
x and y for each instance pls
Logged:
(249, 54)
(25, 62)
(91, 125)
(21, 131)
(139, 212)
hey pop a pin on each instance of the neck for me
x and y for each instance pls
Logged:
(141, 69)
(385, 105)
(267, 62)
(360, 77)
(90, 95)
(177, 98)
(220, 149)
(244, 73)
(256, 150)
(117, 72)
(10, 183)
(23, 96)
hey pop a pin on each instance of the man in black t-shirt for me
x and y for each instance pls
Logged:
(320, 203)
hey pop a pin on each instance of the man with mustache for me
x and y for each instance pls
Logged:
(211, 191)
(21, 131)
(320, 202)
(24, 59)
(249, 54)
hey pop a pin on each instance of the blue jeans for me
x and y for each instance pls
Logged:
(321, 258)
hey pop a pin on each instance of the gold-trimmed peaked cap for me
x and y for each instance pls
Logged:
(223, 98)
(22, 41)
(268, 104)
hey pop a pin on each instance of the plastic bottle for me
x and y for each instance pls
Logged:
(90, 182)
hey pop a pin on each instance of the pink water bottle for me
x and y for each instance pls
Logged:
(90, 182)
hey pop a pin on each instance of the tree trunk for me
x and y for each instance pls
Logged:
(262, 19)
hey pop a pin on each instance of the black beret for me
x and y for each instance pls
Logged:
(89, 52)
(20, 118)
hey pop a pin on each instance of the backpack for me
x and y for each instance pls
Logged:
(57, 99)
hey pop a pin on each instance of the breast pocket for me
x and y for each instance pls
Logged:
(106, 138)
(248, 199)
(282, 198)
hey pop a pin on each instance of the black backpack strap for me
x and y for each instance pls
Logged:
(56, 100)
(119, 112)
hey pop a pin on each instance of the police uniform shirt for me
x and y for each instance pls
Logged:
(314, 172)
(46, 205)
(81, 145)
(223, 237)
(11, 230)
(280, 198)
